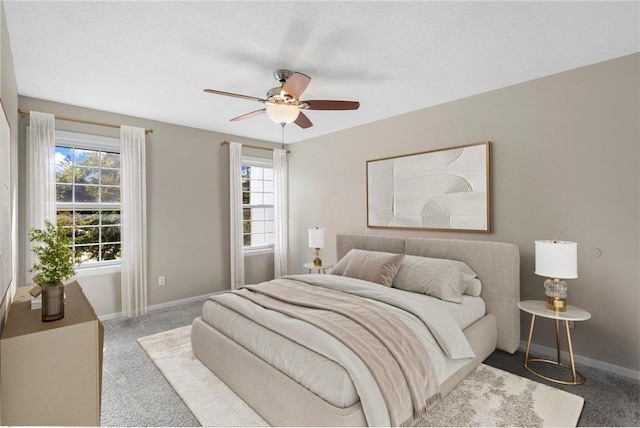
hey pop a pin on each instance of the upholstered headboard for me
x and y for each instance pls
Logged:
(496, 263)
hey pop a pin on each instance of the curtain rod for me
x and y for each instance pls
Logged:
(226, 143)
(23, 113)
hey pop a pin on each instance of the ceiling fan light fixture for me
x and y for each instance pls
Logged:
(282, 113)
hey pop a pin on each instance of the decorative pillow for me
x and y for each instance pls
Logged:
(373, 266)
(475, 288)
(441, 278)
(338, 268)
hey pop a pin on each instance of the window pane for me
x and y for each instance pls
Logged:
(86, 193)
(64, 168)
(257, 213)
(268, 199)
(245, 185)
(268, 186)
(246, 213)
(86, 157)
(256, 186)
(64, 218)
(87, 235)
(110, 252)
(257, 227)
(110, 194)
(87, 218)
(111, 234)
(110, 160)
(247, 240)
(87, 253)
(269, 226)
(268, 174)
(246, 227)
(256, 198)
(110, 217)
(87, 175)
(269, 214)
(246, 198)
(110, 177)
(246, 171)
(257, 240)
(64, 193)
(269, 239)
(257, 172)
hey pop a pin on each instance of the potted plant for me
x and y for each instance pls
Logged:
(54, 265)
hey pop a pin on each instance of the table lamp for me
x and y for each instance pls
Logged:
(317, 239)
(557, 260)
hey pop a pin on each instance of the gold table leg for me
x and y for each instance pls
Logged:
(577, 377)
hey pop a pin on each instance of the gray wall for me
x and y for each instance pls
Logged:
(565, 164)
(187, 212)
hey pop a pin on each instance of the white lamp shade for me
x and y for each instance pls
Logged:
(282, 113)
(317, 237)
(557, 259)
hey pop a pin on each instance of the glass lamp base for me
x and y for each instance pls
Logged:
(556, 292)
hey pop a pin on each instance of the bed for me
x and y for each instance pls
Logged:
(290, 384)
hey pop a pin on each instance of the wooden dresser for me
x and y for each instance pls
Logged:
(51, 373)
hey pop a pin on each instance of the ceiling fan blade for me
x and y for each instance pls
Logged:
(296, 84)
(248, 115)
(303, 121)
(229, 94)
(332, 105)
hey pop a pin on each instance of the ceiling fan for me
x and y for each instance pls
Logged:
(283, 104)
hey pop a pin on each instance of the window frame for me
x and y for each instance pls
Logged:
(77, 140)
(262, 163)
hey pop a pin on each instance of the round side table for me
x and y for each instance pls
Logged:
(539, 308)
(320, 269)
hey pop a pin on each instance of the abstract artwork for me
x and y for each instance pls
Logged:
(444, 189)
(5, 203)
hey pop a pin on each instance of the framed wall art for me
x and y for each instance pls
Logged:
(444, 189)
(6, 254)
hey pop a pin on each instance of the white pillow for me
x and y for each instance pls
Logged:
(373, 266)
(441, 278)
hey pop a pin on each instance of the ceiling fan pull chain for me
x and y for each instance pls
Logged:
(282, 124)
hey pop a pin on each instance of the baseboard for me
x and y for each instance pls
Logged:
(551, 353)
(157, 307)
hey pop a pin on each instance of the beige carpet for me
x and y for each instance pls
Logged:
(487, 397)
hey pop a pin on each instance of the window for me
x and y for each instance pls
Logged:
(88, 196)
(257, 204)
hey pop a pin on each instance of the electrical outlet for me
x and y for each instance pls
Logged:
(161, 280)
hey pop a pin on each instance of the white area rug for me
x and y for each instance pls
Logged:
(487, 397)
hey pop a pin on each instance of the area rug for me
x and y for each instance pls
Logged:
(486, 398)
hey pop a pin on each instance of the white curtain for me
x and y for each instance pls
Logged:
(41, 187)
(281, 193)
(235, 215)
(133, 221)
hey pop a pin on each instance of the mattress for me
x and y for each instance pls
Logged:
(317, 373)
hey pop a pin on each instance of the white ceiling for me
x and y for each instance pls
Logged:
(153, 59)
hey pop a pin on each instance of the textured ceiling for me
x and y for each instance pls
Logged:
(153, 59)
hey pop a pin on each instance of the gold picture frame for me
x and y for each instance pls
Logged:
(444, 190)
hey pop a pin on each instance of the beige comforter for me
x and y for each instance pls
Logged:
(397, 361)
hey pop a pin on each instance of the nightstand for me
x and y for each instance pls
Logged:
(539, 308)
(320, 269)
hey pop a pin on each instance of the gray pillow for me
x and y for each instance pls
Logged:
(338, 268)
(373, 266)
(441, 278)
